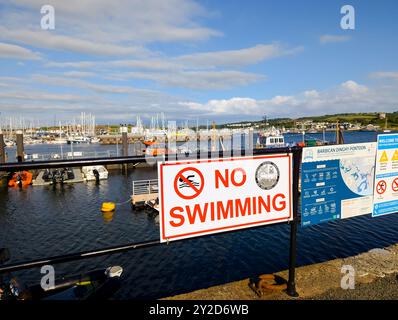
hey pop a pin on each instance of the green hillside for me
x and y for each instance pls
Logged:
(362, 118)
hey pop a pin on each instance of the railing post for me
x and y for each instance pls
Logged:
(251, 138)
(20, 148)
(125, 146)
(2, 149)
(291, 284)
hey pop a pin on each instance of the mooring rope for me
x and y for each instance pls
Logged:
(121, 203)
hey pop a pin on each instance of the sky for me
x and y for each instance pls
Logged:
(221, 60)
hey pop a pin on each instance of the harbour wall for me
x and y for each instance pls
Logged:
(375, 270)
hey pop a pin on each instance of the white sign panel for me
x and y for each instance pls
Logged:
(200, 197)
(386, 180)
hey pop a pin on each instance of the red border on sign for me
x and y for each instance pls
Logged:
(233, 226)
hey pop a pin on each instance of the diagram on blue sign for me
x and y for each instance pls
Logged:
(358, 175)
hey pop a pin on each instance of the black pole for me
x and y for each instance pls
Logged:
(125, 146)
(2, 149)
(98, 252)
(291, 284)
(78, 256)
(251, 134)
(20, 148)
(14, 166)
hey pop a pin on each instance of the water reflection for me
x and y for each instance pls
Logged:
(108, 216)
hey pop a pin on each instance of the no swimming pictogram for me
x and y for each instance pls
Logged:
(381, 187)
(395, 185)
(189, 183)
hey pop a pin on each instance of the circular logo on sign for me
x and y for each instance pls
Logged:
(267, 175)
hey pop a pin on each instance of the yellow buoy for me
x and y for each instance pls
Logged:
(108, 206)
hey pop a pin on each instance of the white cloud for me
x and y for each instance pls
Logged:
(328, 38)
(82, 84)
(103, 27)
(234, 58)
(48, 40)
(311, 94)
(12, 51)
(79, 74)
(203, 71)
(354, 87)
(116, 102)
(346, 97)
(385, 75)
(204, 60)
(231, 106)
(76, 64)
(202, 80)
(18, 95)
(149, 64)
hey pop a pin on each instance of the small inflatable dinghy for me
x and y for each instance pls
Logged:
(20, 179)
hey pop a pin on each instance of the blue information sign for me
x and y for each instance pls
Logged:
(336, 182)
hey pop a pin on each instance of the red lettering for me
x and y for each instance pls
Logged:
(224, 179)
(264, 205)
(212, 210)
(197, 210)
(281, 205)
(233, 180)
(177, 216)
(242, 210)
(221, 210)
(254, 205)
(227, 209)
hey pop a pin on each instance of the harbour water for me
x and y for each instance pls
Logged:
(37, 222)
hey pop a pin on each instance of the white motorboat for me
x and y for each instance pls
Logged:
(153, 204)
(270, 139)
(92, 173)
(58, 141)
(78, 139)
(95, 140)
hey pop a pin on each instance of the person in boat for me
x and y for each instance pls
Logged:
(21, 178)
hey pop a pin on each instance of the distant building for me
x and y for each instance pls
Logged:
(372, 127)
(239, 125)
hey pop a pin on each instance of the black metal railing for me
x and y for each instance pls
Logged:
(295, 151)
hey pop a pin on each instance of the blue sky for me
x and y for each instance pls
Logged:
(207, 60)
